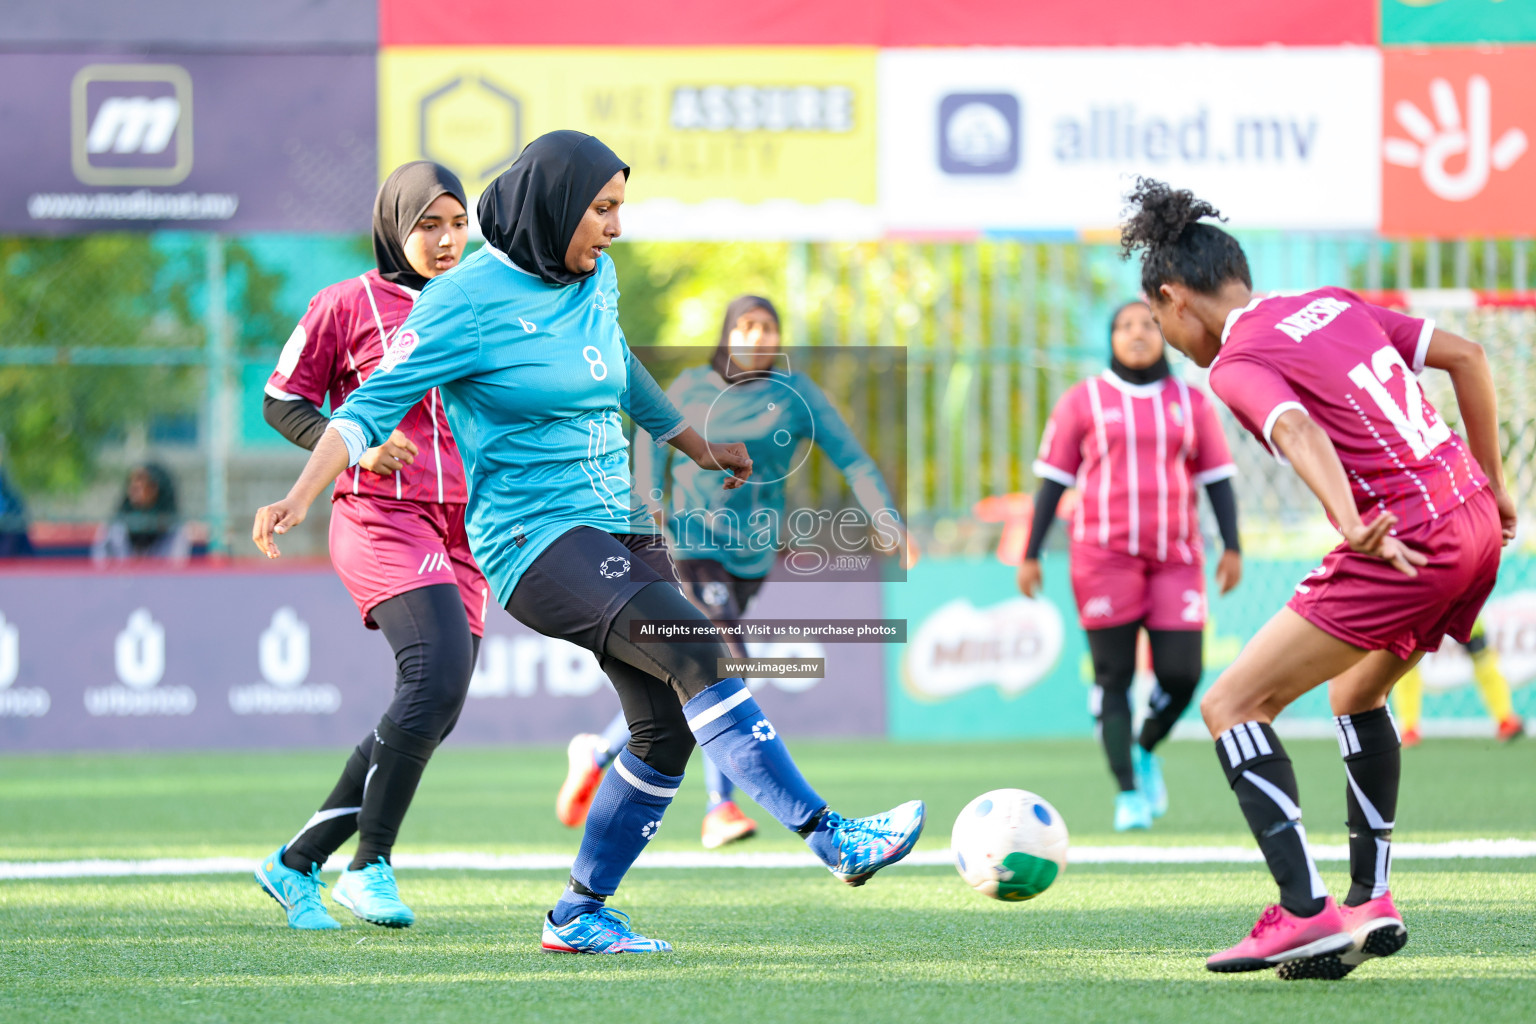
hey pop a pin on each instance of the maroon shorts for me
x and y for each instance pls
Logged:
(1365, 602)
(1115, 589)
(384, 547)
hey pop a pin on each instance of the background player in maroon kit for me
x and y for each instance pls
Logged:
(1329, 383)
(397, 540)
(1140, 443)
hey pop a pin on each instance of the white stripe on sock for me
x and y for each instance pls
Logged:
(1383, 867)
(1286, 804)
(1338, 731)
(1233, 758)
(1244, 742)
(1256, 731)
(703, 718)
(1319, 890)
(640, 784)
(1372, 815)
(322, 816)
(1350, 735)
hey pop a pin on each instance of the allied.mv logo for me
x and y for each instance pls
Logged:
(131, 124)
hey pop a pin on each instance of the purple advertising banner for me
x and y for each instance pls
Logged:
(232, 658)
(236, 142)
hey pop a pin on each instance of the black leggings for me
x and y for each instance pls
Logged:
(434, 658)
(1177, 663)
(564, 594)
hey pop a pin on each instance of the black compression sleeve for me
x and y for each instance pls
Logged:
(297, 420)
(1224, 504)
(1046, 500)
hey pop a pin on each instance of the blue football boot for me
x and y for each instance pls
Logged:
(372, 895)
(1149, 779)
(296, 892)
(865, 845)
(1132, 811)
(603, 931)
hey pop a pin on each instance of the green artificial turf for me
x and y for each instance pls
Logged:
(1106, 943)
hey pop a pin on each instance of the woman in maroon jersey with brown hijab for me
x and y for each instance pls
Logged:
(397, 541)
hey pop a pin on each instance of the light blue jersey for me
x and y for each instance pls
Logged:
(742, 528)
(533, 377)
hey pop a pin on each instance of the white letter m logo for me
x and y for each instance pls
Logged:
(122, 111)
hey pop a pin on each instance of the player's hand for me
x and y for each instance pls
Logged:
(731, 457)
(1377, 541)
(1029, 577)
(1229, 571)
(391, 456)
(1507, 514)
(278, 517)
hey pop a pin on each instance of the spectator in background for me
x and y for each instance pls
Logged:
(13, 521)
(146, 524)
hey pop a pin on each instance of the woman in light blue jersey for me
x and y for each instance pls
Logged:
(523, 341)
(725, 542)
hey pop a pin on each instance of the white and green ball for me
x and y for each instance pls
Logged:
(1009, 844)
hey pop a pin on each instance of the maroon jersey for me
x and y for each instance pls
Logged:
(1139, 453)
(1353, 368)
(338, 343)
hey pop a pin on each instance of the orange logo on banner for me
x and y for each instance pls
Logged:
(1458, 127)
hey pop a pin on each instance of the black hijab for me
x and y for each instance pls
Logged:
(533, 207)
(403, 198)
(147, 525)
(739, 307)
(1147, 374)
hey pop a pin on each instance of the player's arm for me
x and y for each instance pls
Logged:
(1472, 378)
(1056, 464)
(1223, 498)
(833, 436)
(1311, 453)
(649, 406)
(1047, 500)
(296, 389)
(447, 348)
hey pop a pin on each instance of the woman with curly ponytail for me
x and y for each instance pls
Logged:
(1329, 384)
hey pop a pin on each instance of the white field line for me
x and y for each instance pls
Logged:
(1453, 850)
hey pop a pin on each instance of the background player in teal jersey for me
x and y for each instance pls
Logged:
(749, 392)
(523, 340)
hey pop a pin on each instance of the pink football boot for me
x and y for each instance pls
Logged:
(1281, 936)
(1376, 929)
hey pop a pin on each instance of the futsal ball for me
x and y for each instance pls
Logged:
(1009, 844)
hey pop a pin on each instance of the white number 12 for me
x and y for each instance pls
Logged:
(1422, 436)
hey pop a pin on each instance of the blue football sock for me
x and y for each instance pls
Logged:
(573, 904)
(625, 814)
(616, 736)
(745, 747)
(716, 785)
(823, 843)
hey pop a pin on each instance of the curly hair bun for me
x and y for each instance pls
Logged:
(1157, 214)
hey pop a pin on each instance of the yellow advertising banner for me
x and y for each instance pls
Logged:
(782, 126)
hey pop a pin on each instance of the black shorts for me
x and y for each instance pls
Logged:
(578, 584)
(715, 590)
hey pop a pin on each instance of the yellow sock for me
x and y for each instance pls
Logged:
(1492, 684)
(1408, 699)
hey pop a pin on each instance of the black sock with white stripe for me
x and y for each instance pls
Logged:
(1373, 766)
(394, 772)
(1261, 775)
(336, 820)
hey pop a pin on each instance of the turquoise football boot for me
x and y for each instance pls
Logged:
(865, 845)
(372, 895)
(1149, 779)
(1132, 811)
(296, 892)
(603, 931)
